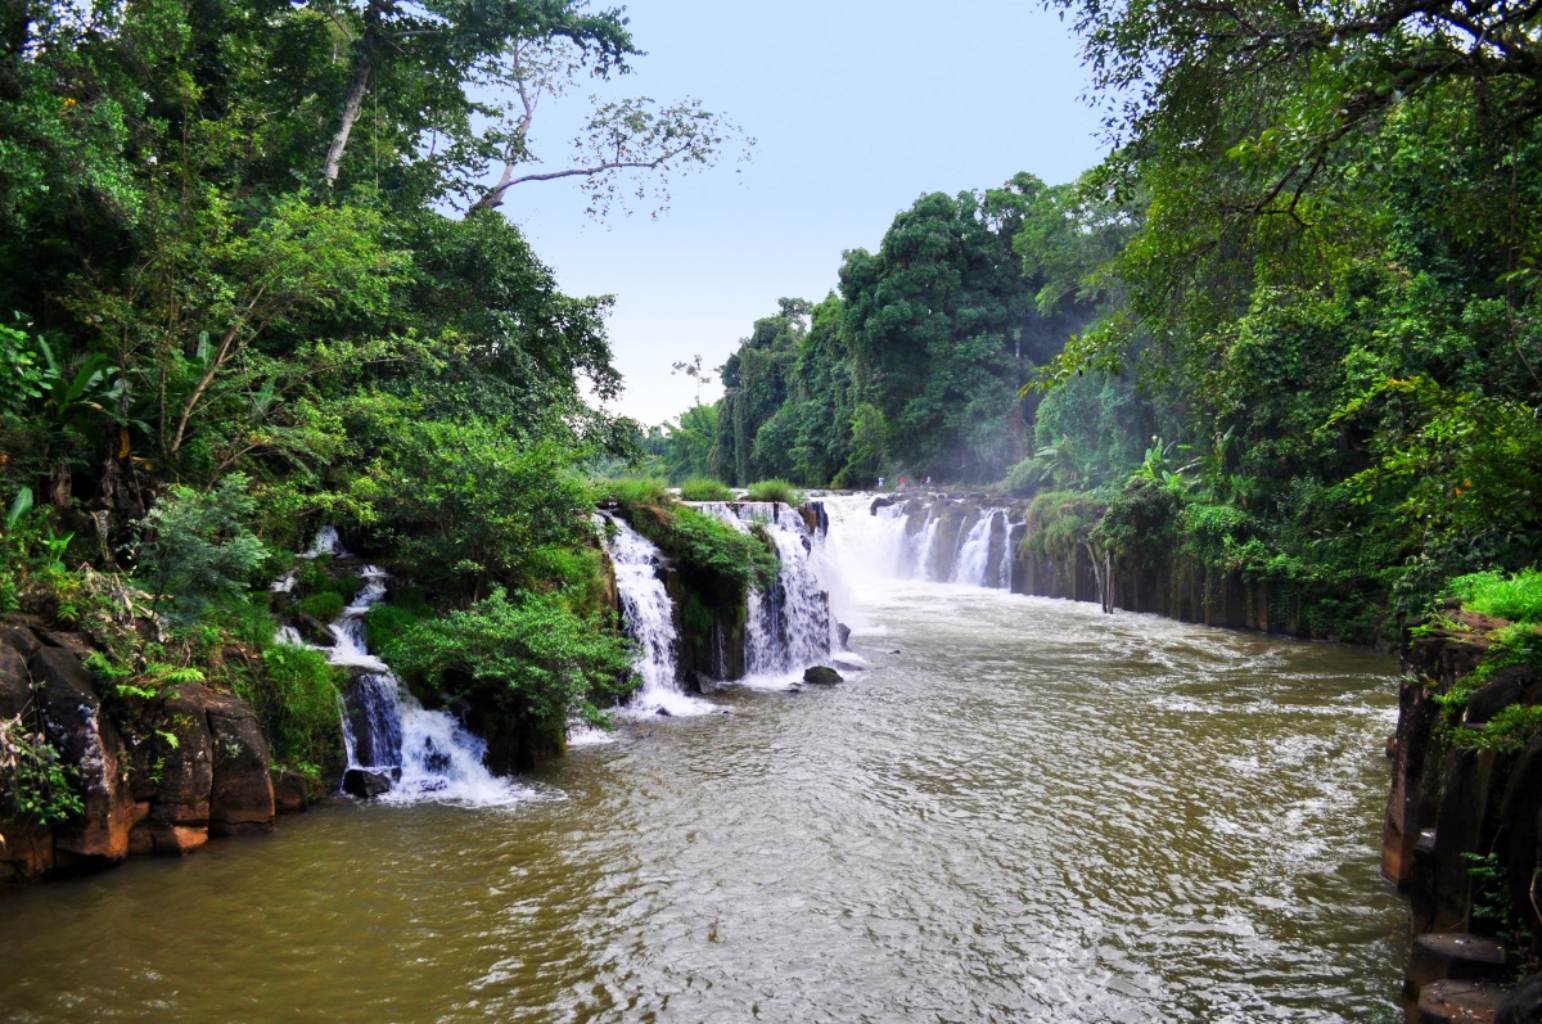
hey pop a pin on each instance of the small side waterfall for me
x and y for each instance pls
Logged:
(649, 616)
(983, 558)
(407, 752)
(789, 626)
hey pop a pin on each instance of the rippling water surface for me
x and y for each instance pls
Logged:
(1025, 811)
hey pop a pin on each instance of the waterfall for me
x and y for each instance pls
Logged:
(918, 564)
(414, 753)
(789, 626)
(914, 541)
(649, 616)
(974, 552)
(327, 542)
(983, 559)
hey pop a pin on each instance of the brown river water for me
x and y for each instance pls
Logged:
(1024, 811)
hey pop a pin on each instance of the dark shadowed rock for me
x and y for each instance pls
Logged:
(21, 640)
(242, 794)
(843, 633)
(178, 816)
(1459, 1002)
(15, 682)
(1524, 1003)
(1505, 687)
(821, 675)
(74, 724)
(366, 783)
(1454, 955)
(293, 791)
(882, 501)
(26, 852)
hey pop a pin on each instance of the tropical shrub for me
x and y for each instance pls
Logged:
(775, 490)
(531, 654)
(705, 488)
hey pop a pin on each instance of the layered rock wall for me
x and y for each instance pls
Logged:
(194, 764)
(1461, 832)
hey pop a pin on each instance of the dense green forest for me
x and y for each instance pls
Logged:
(1290, 324)
(254, 282)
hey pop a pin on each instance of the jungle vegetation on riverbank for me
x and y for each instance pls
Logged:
(1291, 325)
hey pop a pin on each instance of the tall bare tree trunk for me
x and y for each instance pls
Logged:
(351, 107)
(354, 101)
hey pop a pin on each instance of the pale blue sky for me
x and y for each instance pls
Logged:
(857, 107)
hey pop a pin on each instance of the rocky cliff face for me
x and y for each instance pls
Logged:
(1462, 829)
(141, 791)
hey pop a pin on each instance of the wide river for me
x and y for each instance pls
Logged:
(1025, 811)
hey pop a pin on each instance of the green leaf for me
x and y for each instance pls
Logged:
(20, 506)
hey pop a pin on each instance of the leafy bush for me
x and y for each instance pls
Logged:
(1140, 520)
(1058, 521)
(195, 546)
(531, 653)
(1517, 598)
(35, 785)
(324, 605)
(295, 696)
(463, 504)
(387, 621)
(712, 554)
(705, 488)
(775, 490)
(1025, 478)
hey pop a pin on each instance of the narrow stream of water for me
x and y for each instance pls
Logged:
(1024, 811)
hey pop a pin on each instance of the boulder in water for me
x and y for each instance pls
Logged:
(366, 783)
(822, 675)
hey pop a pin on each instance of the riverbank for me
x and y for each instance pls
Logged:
(1031, 810)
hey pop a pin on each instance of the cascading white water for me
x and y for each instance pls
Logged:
(789, 626)
(982, 556)
(918, 562)
(649, 617)
(426, 755)
(873, 544)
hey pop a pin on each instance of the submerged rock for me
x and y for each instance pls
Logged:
(822, 675)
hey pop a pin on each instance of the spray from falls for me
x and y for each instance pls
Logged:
(924, 539)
